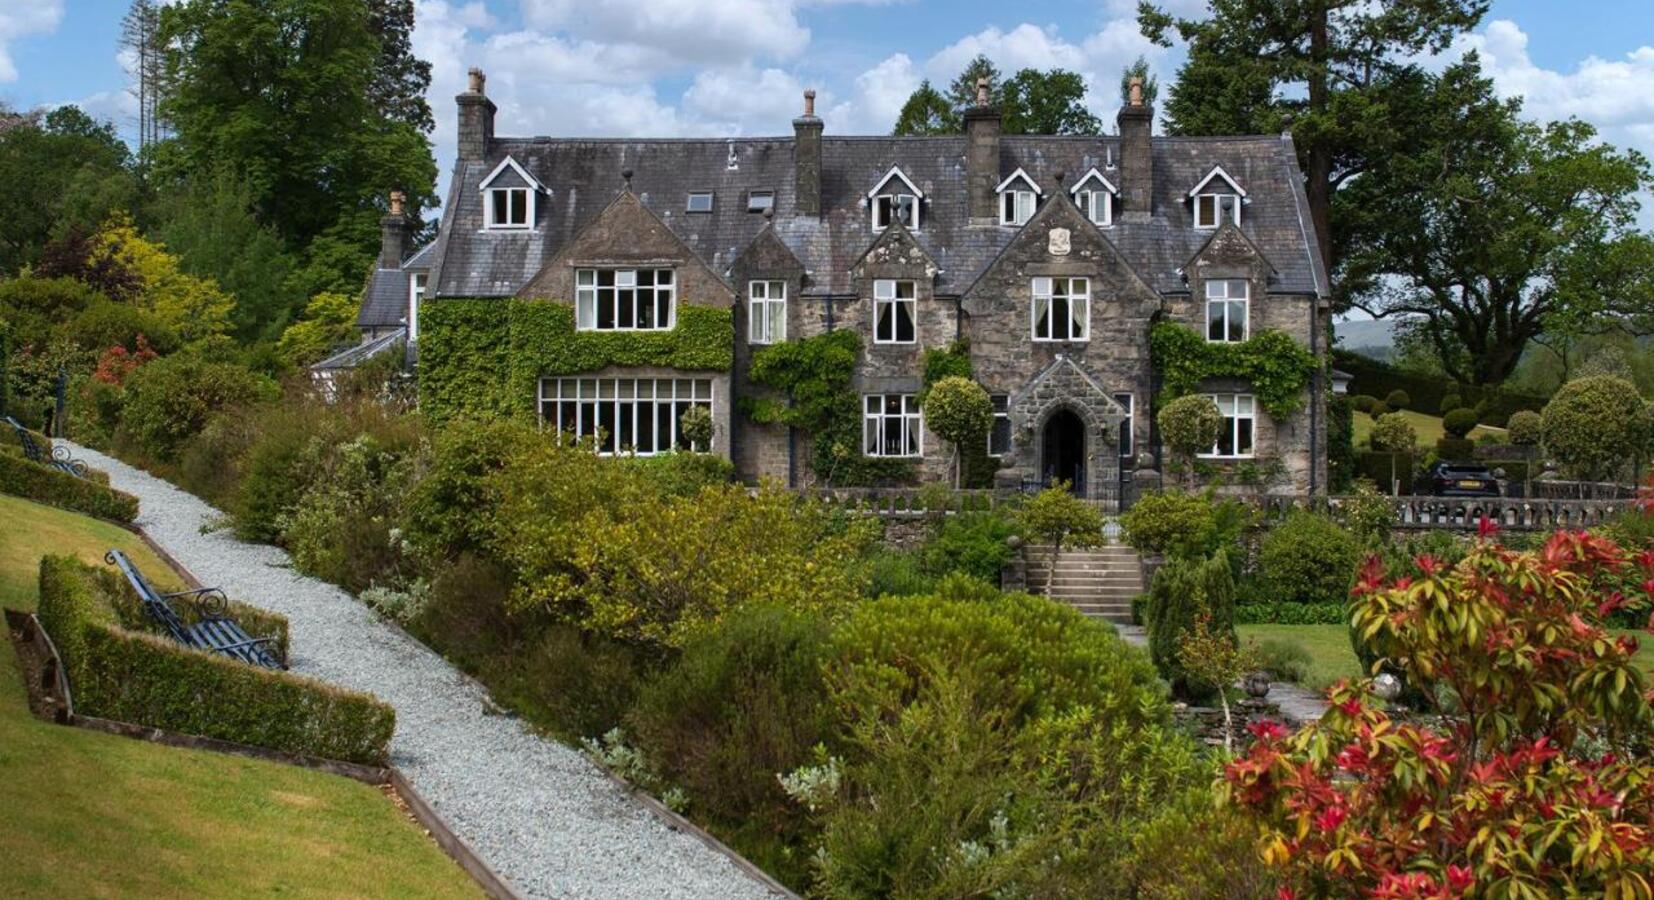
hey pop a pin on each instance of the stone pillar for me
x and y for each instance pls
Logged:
(807, 159)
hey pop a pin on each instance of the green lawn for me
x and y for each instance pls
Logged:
(1331, 657)
(1429, 428)
(91, 815)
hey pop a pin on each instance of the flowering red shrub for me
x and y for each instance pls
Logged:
(117, 362)
(1540, 784)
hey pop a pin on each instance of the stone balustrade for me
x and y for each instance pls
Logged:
(1464, 513)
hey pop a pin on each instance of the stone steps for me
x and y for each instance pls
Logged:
(1099, 582)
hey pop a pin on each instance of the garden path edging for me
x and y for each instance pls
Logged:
(544, 815)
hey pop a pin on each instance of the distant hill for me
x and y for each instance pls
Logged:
(1372, 338)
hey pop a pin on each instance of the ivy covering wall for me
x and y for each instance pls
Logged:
(1276, 366)
(485, 356)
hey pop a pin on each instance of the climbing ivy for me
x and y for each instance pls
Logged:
(1276, 365)
(486, 357)
(941, 363)
(814, 376)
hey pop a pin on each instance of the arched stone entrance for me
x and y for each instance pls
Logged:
(1063, 450)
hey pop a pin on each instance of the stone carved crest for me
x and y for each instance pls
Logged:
(1060, 242)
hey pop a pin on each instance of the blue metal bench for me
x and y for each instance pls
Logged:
(54, 456)
(212, 631)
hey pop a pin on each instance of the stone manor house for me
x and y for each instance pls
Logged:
(1053, 256)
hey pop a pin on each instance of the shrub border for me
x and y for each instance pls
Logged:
(31, 481)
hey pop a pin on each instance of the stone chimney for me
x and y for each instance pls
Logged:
(476, 119)
(1136, 121)
(982, 124)
(393, 234)
(807, 158)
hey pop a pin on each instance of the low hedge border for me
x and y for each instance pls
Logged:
(117, 672)
(43, 484)
(1278, 613)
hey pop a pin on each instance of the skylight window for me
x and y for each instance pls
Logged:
(700, 202)
(759, 201)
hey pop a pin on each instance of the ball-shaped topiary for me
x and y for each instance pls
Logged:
(1308, 558)
(959, 411)
(1524, 428)
(696, 426)
(1398, 399)
(1379, 408)
(1392, 433)
(1450, 402)
(1363, 402)
(1190, 424)
(1591, 426)
(1459, 422)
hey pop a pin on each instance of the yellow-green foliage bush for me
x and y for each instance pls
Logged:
(117, 671)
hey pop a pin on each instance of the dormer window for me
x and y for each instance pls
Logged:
(1094, 196)
(895, 199)
(509, 197)
(1018, 197)
(1217, 199)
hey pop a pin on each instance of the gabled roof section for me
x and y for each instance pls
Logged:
(1061, 205)
(1012, 179)
(1090, 176)
(1229, 240)
(895, 172)
(896, 245)
(1217, 172)
(766, 250)
(422, 258)
(646, 232)
(511, 165)
(385, 302)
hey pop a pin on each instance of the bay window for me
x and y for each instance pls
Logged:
(624, 415)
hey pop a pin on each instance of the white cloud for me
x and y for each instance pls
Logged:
(877, 100)
(20, 20)
(1611, 94)
(747, 101)
(685, 31)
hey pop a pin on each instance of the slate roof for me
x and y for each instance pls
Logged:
(583, 176)
(385, 303)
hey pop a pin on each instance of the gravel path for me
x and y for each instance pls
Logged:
(543, 816)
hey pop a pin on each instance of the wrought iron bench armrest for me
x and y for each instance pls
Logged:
(208, 602)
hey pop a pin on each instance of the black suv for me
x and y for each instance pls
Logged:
(1452, 479)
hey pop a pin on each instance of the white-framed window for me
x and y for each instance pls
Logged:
(758, 201)
(1016, 207)
(509, 208)
(1128, 444)
(902, 208)
(1095, 205)
(999, 436)
(1211, 209)
(624, 299)
(1240, 416)
(895, 309)
(624, 415)
(699, 202)
(891, 425)
(1062, 309)
(1227, 309)
(416, 296)
(766, 312)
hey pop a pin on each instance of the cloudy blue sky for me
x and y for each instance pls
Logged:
(699, 67)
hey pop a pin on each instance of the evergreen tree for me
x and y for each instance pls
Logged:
(926, 112)
(1030, 102)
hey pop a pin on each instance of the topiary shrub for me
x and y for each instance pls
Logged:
(1059, 519)
(1363, 402)
(1170, 524)
(1398, 399)
(1182, 592)
(1378, 410)
(1449, 403)
(1459, 422)
(1592, 426)
(1308, 558)
(958, 411)
(1189, 425)
(1392, 433)
(1525, 428)
(695, 426)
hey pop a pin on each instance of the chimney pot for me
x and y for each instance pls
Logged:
(810, 102)
(982, 91)
(1136, 90)
(397, 197)
(477, 80)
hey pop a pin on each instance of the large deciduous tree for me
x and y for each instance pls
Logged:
(314, 103)
(1030, 102)
(63, 172)
(1323, 67)
(1492, 229)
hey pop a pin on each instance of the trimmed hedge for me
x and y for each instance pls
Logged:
(44, 484)
(117, 672)
(486, 356)
(1426, 391)
(1374, 465)
(1278, 612)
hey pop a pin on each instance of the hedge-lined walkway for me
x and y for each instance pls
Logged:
(541, 814)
